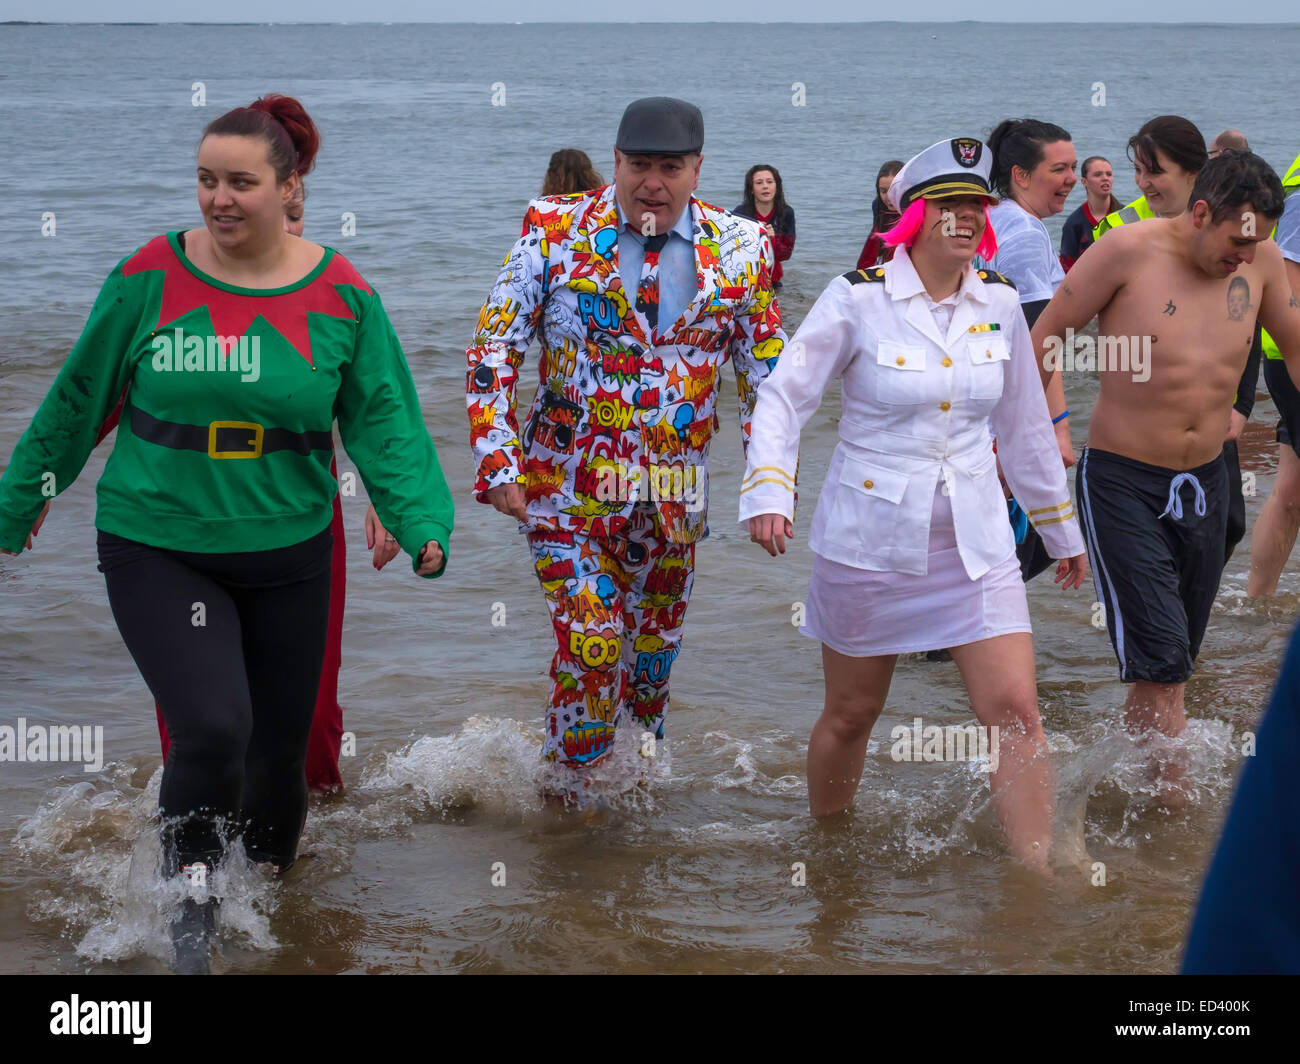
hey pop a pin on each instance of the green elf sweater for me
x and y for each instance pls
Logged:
(230, 396)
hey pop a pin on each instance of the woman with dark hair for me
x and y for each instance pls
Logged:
(1098, 179)
(765, 203)
(326, 737)
(1033, 172)
(1167, 153)
(236, 345)
(570, 171)
(883, 219)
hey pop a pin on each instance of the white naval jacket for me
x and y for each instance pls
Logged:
(917, 407)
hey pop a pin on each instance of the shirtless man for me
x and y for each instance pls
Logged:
(1151, 486)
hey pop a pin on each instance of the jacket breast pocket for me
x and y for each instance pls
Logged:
(900, 374)
(988, 359)
(867, 511)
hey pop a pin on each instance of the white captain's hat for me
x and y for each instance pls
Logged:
(957, 167)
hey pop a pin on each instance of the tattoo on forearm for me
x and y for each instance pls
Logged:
(1170, 309)
(1294, 302)
(1066, 289)
(1238, 299)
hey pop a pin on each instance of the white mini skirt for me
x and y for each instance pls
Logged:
(863, 613)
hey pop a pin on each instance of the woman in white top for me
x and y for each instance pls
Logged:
(1032, 169)
(913, 546)
(1033, 166)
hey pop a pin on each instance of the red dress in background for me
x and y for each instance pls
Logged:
(782, 241)
(783, 234)
(875, 252)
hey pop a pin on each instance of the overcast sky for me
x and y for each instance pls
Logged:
(664, 11)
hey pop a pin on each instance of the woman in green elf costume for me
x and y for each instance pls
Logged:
(235, 346)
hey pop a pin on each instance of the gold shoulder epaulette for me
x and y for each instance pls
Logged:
(876, 273)
(993, 277)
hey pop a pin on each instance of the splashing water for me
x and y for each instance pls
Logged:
(100, 846)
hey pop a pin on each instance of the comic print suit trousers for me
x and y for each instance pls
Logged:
(617, 604)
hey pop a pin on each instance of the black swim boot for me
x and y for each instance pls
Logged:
(276, 851)
(192, 932)
(194, 926)
(273, 866)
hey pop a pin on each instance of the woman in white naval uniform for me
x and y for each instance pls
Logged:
(913, 548)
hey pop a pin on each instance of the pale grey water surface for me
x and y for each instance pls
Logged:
(98, 127)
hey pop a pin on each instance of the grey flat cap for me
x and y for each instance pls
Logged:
(660, 125)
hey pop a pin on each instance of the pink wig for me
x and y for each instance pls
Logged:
(909, 225)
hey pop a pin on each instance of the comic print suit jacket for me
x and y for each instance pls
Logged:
(620, 414)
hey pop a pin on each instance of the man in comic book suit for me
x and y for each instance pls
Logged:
(637, 294)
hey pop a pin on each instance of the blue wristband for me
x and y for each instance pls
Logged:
(1060, 417)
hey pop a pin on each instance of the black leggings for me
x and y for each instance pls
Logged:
(231, 647)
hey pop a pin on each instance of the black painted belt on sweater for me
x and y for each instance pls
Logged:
(227, 439)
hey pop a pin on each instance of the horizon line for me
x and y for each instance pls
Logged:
(673, 22)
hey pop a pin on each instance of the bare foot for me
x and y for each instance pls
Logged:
(1173, 790)
(1173, 794)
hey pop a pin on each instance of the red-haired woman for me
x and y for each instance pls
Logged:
(325, 739)
(236, 345)
(326, 736)
(913, 549)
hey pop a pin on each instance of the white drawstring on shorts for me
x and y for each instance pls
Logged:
(1175, 503)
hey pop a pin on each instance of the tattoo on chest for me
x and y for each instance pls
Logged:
(1170, 309)
(1238, 299)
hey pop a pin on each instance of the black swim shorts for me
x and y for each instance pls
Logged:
(1155, 542)
(1287, 400)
